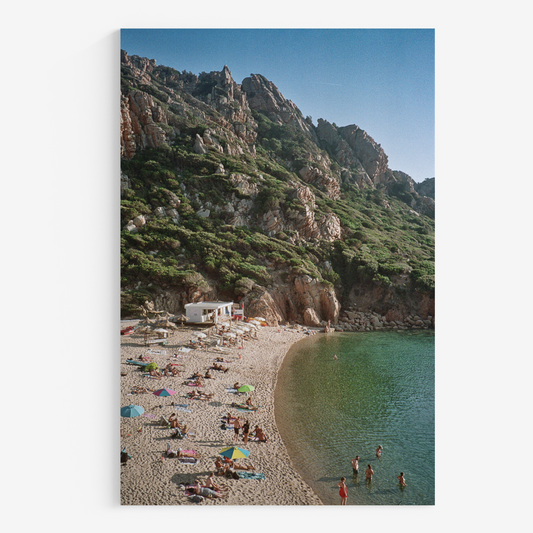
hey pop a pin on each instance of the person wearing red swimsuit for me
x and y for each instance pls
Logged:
(343, 491)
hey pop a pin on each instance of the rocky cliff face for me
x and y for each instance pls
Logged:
(303, 299)
(426, 188)
(140, 123)
(214, 123)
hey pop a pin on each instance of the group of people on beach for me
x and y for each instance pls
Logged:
(236, 421)
(343, 489)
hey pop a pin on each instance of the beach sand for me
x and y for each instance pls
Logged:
(150, 478)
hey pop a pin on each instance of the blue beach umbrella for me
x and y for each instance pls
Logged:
(131, 410)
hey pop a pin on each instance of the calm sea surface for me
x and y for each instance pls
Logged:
(380, 390)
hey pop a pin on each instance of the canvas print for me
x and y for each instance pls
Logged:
(277, 206)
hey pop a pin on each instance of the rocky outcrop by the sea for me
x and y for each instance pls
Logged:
(240, 161)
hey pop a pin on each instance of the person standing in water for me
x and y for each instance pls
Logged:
(402, 480)
(335, 357)
(355, 465)
(369, 473)
(343, 490)
(378, 451)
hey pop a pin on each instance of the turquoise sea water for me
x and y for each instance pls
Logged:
(380, 390)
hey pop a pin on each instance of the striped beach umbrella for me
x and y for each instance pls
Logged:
(234, 453)
(164, 392)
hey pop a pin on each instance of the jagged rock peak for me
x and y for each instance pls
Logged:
(141, 66)
(264, 96)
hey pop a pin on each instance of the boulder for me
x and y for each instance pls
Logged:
(199, 146)
(310, 317)
(139, 221)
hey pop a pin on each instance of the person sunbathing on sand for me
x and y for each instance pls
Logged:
(243, 467)
(243, 406)
(205, 396)
(208, 375)
(259, 433)
(141, 390)
(179, 453)
(186, 454)
(156, 374)
(207, 492)
(210, 482)
(169, 369)
(236, 385)
(219, 465)
(173, 421)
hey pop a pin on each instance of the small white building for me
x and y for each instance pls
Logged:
(208, 311)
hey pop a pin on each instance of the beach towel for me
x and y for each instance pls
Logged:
(138, 363)
(194, 385)
(231, 390)
(243, 409)
(184, 350)
(148, 415)
(183, 409)
(188, 460)
(250, 475)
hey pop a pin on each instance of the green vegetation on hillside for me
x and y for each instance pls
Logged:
(384, 243)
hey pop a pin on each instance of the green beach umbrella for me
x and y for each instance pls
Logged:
(246, 388)
(234, 453)
(150, 366)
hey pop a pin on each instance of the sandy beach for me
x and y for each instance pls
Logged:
(151, 478)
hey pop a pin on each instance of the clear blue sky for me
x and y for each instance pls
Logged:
(381, 80)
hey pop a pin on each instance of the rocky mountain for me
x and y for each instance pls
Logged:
(229, 192)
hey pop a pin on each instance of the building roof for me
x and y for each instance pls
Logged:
(209, 305)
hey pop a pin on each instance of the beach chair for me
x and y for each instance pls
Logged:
(164, 421)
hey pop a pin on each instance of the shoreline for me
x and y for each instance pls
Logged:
(149, 478)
